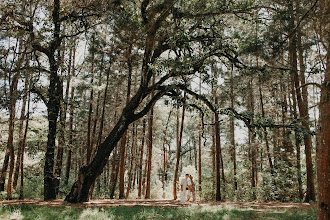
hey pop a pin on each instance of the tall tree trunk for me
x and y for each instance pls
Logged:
(297, 141)
(200, 141)
(94, 140)
(115, 161)
(9, 154)
(91, 100)
(149, 144)
(10, 145)
(217, 149)
(164, 152)
(141, 158)
(99, 140)
(303, 109)
(55, 94)
(132, 161)
(305, 115)
(21, 191)
(61, 139)
(124, 138)
(253, 153)
(114, 172)
(271, 166)
(323, 148)
(145, 174)
(232, 129)
(213, 154)
(69, 149)
(178, 150)
(21, 132)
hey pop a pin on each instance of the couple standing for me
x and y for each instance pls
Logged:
(187, 187)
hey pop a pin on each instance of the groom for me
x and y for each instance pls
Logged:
(184, 189)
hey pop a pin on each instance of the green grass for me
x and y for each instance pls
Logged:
(137, 212)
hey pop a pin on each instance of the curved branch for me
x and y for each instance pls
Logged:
(150, 104)
(311, 83)
(39, 94)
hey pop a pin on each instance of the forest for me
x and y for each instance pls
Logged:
(116, 100)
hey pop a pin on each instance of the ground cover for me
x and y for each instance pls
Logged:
(153, 209)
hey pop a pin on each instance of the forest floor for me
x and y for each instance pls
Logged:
(103, 203)
(152, 209)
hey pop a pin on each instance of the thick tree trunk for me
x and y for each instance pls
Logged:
(88, 174)
(55, 93)
(53, 105)
(323, 149)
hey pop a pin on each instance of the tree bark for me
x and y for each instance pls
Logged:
(217, 150)
(164, 152)
(132, 162)
(252, 146)
(124, 138)
(21, 132)
(149, 144)
(141, 158)
(303, 110)
(178, 149)
(323, 149)
(69, 149)
(61, 139)
(323, 146)
(10, 145)
(271, 166)
(232, 129)
(21, 191)
(55, 92)
(91, 99)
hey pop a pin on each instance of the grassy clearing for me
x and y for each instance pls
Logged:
(138, 212)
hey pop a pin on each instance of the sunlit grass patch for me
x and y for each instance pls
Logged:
(25, 211)
(95, 214)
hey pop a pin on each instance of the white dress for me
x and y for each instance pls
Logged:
(184, 184)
